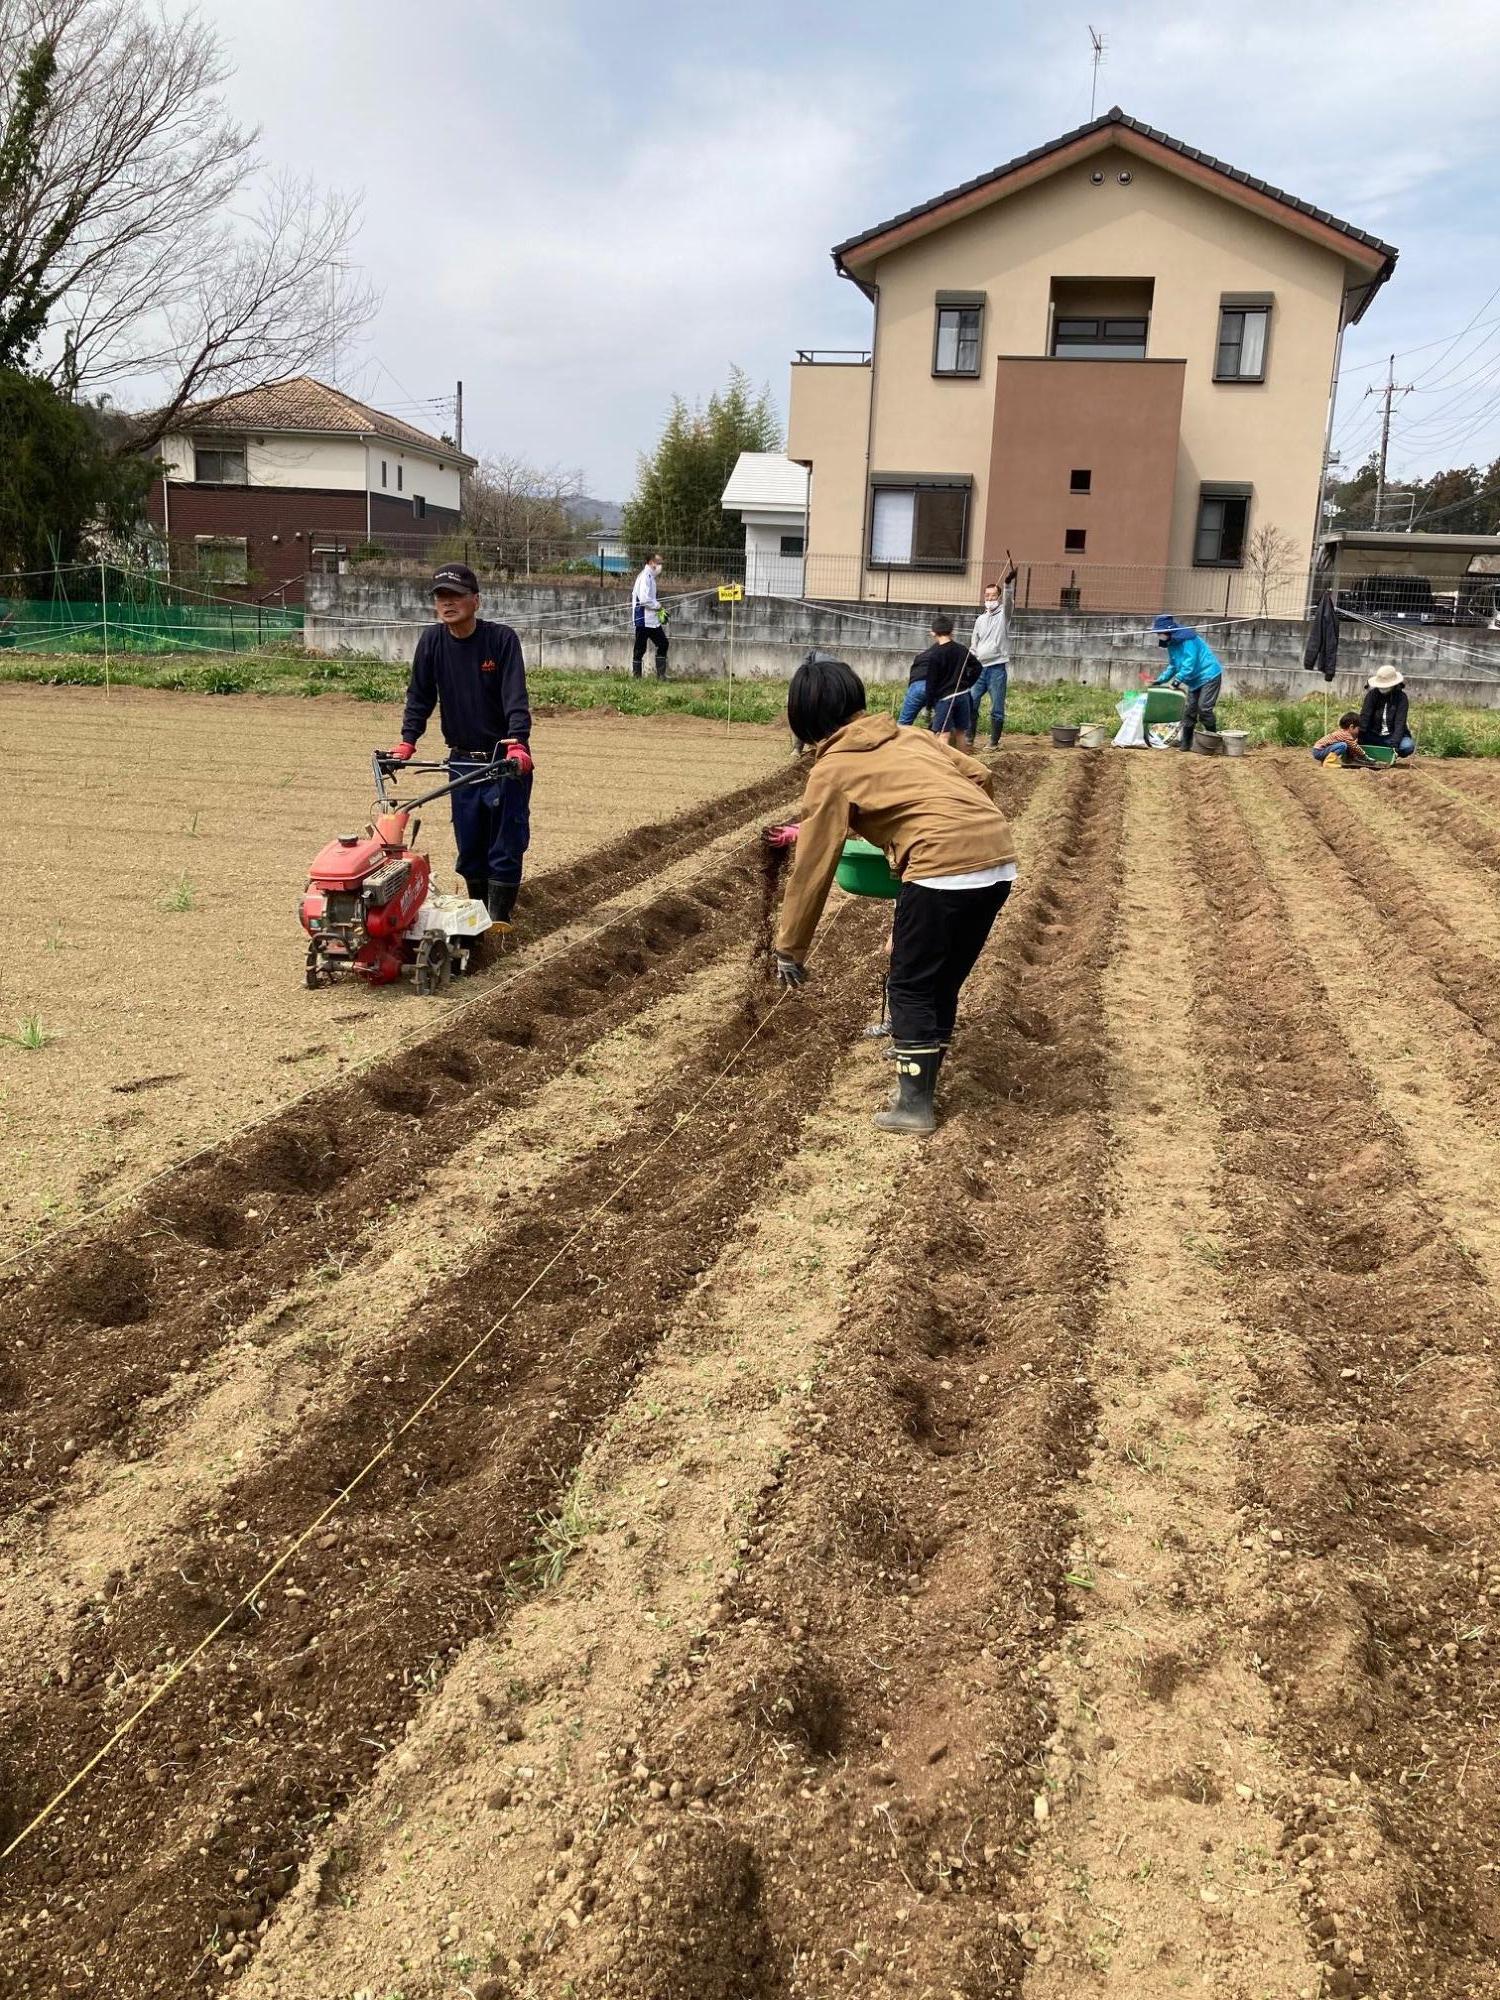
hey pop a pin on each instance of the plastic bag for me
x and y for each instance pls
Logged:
(1131, 735)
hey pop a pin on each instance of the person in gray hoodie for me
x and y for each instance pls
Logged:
(991, 644)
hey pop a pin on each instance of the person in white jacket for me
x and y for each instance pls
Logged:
(648, 618)
(991, 644)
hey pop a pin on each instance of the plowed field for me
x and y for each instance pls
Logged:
(663, 1539)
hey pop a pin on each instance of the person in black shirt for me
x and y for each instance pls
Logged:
(949, 671)
(1384, 713)
(471, 670)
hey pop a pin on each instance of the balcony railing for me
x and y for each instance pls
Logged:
(832, 357)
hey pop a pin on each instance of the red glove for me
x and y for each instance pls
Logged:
(782, 836)
(517, 753)
(404, 750)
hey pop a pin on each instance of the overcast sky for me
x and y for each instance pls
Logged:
(581, 210)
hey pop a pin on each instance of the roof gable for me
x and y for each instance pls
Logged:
(303, 404)
(1368, 253)
(766, 479)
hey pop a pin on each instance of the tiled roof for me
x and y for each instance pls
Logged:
(302, 404)
(766, 479)
(1116, 118)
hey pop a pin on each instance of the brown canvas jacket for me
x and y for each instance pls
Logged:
(931, 808)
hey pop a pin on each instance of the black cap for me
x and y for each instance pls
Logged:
(455, 576)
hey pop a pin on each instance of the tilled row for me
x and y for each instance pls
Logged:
(838, 1792)
(90, 1337)
(1370, 1490)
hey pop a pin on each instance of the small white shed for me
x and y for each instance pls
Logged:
(769, 493)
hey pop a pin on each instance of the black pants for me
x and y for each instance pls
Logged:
(939, 934)
(1201, 703)
(658, 639)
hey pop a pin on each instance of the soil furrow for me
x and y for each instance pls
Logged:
(292, 1709)
(1160, 1863)
(1369, 1491)
(861, 1722)
(670, 1495)
(1455, 884)
(1437, 811)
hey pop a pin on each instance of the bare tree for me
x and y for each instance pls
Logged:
(138, 239)
(1268, 559)
(521, 508)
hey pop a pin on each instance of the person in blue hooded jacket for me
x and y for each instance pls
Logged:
(1194, 666)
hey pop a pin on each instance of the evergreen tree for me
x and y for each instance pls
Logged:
(676, 500)
(60, 484)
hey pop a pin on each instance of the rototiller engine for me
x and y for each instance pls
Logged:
(370, 910)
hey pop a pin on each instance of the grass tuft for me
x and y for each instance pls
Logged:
(181, 897)
(30, 1034)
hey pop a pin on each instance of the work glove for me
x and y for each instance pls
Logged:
(789, 972)
(401, 752)
(782, 836)
(517, 754)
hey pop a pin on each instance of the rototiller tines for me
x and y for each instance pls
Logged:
(370, 910)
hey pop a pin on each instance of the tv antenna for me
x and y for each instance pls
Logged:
(1100, 47)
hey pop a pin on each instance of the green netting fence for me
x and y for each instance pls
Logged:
(119, 611)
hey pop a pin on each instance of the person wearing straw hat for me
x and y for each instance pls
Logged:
(1383, 713)
(932, 810)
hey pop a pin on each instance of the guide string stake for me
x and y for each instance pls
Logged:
(248, 1600)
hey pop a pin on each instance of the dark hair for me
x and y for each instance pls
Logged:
(823, 696)
(1349, 718)
(992, 585)
(942, 626)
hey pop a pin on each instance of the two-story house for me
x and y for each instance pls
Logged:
(1113, 357)
(263, 486)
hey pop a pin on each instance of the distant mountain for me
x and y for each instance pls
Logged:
(607, 513)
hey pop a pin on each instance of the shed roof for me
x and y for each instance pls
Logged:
(766, 479)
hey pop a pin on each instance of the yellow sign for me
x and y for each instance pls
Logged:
(731, 593)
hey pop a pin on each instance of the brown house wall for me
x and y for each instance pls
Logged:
(1118, 419)
(280, 525)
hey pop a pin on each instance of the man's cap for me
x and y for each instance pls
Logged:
(455, 576)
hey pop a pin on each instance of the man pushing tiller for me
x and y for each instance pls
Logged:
(472, 671)
(933, 811)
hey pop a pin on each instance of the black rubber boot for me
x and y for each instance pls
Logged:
(1185, 740)
(477, 887)
(994, 737)
(501, 902)
(917, 1073)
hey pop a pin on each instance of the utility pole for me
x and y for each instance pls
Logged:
(1390, 392)
(1098, 41)
(458, 417)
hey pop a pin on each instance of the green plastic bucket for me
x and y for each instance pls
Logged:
(1164, 704)
(864, 871)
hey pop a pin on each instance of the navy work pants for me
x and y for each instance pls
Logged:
(491, 824)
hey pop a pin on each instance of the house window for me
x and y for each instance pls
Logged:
(1081, 480)
(419, 506)
(223, 558)
(382, 472)
(1223, 513)
(219, 465)
(955, 347)
(1075, 540)
(400, 477)
(1115, 339)
(1241, 354)
(919, 524)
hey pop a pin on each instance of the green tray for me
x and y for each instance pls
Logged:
(1378, 753)
(1164, 704)
(864, 871)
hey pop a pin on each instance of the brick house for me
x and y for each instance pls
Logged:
(264, 486)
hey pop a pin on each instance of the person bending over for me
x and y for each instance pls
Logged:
(932, 810)
(1341, 746)
(1384, 713)
(1192, 665)
(948, 672)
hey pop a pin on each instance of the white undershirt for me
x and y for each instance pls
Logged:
(982, 878)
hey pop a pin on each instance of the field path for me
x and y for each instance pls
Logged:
(1160, 1856)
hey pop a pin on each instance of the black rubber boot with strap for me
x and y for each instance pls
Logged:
(916, 1082)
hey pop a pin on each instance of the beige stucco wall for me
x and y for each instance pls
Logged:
(827, 418)
(334, 464)
(1196, 246)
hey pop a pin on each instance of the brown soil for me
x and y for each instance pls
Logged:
(171, 1025)
(1048, 1559)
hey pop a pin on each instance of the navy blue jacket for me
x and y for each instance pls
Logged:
(477, 684)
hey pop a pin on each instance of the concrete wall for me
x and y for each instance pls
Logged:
(591, 632)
